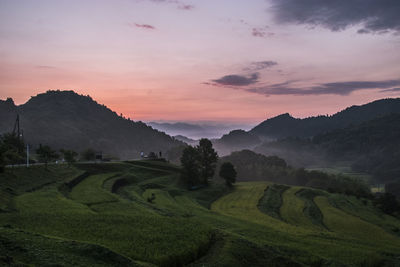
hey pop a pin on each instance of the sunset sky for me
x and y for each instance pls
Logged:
(206, 60)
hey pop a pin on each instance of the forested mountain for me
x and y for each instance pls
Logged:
(372, 147)
(286, 126)
(236, 140)
(65, 119)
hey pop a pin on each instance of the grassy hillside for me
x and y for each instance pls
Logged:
(99, 215)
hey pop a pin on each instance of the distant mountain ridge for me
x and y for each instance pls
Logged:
(285, 125)
(65, 119)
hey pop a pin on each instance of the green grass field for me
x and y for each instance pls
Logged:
(104, 218)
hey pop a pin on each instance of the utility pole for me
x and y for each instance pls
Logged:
(27, 155)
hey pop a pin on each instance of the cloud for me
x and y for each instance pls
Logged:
(374, 16)
(336, 88)
(261, 32)
(144, 26)
(258, 32)
(45, 67)
(179, 4)
(237, 80)
(391, 90)
(185, 7)
(260, 65)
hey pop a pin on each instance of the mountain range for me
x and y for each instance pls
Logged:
(65, 119)
(284, 125)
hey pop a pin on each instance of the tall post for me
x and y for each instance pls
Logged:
(27, 155)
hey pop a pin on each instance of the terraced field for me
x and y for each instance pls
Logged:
(100, 215)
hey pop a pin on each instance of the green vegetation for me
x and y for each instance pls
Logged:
(370, 149)
(12, 150)
(251, 166)
(46, 154)
(69, 156)
(296, 210)
(271, 202)
(228, 173)
(99, 215)
(199, 163)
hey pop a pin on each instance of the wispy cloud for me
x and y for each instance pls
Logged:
(185, 7)
(143, 26)
(261, 32)
(397, 89)
(44, 67)
(179, 4)
(374, 16)
(260, 65)
(257, 31)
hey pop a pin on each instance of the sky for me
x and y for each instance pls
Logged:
(225, 61)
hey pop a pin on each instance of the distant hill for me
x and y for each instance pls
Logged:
(178, 126)
(187, 140)
(65, 119)
(285, 125)
(236, 140)
(372, 146)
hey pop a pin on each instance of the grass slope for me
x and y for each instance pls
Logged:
(102, 218)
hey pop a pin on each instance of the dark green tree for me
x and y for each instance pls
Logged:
(191, 166)
(69, 156)
(88, 154)
(387, 203)
(228, 173)
(46, 154)
(13, 142)
(2, 162)
(208, 159)
(13, 149)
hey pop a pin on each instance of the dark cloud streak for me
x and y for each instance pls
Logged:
(237, 80)
(144, 26)
(374, 16)
(336, 88)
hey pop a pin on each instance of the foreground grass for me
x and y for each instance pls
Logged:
(108, 213)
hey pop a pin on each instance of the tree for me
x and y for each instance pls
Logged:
(228, 173)
(69, 156)
(46, 154)
(191, 166)
(12, 157)
(88, 154)
(208, 159)
(13, 142)
(387, 203)
(2, 163)
(13, 149)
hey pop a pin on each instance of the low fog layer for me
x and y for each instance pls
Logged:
(210, 130)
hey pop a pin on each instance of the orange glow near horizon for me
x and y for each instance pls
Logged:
(202, 64)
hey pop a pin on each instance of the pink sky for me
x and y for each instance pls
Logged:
(176, 60)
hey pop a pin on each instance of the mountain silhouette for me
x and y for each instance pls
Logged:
(65, 119)
(285, 125)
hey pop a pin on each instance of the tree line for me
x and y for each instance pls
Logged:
(199, 164)
(13, 152)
